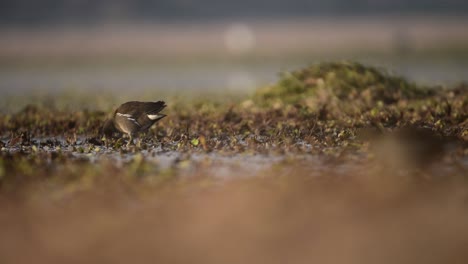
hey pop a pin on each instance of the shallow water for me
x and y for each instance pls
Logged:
(243, 78)
(221, 164)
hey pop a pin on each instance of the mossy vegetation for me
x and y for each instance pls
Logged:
(344, 81)
(359, 95)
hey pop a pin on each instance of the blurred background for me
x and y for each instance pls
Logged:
(128, 46)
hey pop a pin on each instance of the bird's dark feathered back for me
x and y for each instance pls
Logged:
(135, 108)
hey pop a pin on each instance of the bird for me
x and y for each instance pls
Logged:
(133, 117)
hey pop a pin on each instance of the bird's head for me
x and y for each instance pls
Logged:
(108, 129)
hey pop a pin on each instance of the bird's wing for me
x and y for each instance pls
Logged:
(129, 117)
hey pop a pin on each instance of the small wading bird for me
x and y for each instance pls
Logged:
(132, 118)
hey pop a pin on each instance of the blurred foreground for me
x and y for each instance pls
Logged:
(362, 217)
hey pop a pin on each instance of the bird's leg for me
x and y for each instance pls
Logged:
(138, 144)
(130, 140)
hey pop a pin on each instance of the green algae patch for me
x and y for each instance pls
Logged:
(340, 81)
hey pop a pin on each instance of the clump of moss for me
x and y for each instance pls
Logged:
(342, 81)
